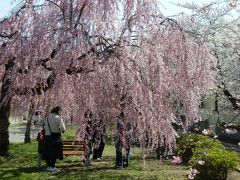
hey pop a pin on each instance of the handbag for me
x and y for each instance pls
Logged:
(56, 140)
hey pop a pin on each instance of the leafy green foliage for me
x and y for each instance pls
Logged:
(208, 156)
(217, 163)
(188, 142)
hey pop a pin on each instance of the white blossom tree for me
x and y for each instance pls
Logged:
(217, 24)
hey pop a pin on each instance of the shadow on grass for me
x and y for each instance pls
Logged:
(73, 168)
(13, 173)
(6, 174)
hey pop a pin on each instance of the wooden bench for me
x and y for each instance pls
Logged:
(72, 147)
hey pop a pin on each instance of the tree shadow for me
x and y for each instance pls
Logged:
(13, 173)
(71, 166)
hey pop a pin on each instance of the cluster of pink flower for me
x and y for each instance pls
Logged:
(201, 162)
(192, 173)
(231, 131)
(233, 4)
(206, 132)
(176, 160)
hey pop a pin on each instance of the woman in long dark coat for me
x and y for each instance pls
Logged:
(54, 126)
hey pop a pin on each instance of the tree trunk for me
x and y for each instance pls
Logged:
(216, 109)
(4, 124)
(5, 101)
(216, 106)
(27, 138)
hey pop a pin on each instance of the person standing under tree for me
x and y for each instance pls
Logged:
(119, 146)
(53, 145)
(127, 142)
(88, 137)
(40, 139)
(123, 143)
(99, 133)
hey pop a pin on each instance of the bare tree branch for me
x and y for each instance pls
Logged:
(80, 14)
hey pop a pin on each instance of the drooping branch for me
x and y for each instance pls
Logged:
(61, 8)
(80, 14)
(105, 51)
(74, 70)
(43, 62)
(42, 86)
(9, 36)
(38, 89)
(54, 3)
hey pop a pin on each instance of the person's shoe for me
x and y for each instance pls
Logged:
(125, 165)
(55, 169)
(98, 159)
(94, 159)
(118, 167)
(88, 163)
(49, 169)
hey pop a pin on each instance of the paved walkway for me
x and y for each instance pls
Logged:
(17, 134)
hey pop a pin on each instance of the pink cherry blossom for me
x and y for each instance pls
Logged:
(191, 176)
(206, 132)
(192, 173)
(201, 162)
(231, 131)
(176, 160)
(127, 58)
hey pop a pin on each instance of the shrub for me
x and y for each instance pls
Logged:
(188, 142)
(213, 163)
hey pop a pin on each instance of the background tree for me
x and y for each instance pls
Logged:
(217, 24)
(127, 58)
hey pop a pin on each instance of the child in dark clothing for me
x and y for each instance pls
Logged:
(40, 139)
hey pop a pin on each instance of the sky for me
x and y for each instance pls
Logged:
(167, 7)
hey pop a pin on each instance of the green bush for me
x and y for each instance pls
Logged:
(188, 142)
(217, 163)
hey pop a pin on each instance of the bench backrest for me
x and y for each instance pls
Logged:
(71, 147)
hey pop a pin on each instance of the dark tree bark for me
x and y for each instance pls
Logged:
(234, 101)
(216, 109)
(27, 138)
(5, 109)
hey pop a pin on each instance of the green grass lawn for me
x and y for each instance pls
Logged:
(22, 164)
